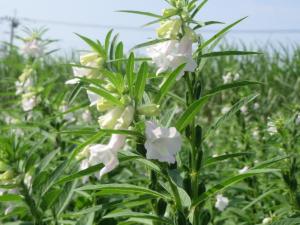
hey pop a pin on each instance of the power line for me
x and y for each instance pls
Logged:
(143, 29)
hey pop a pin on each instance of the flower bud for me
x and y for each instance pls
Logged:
(126, 118)
(104, 105)
(169, 29)
(88, 58)
(190, 33)
(149, 110)
(109, 120)
(7, 176)
(26, 73)
(169, 12)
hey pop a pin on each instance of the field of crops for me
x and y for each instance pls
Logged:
(193, 132)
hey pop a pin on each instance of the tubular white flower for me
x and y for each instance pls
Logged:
(109, 120)
(33, 48)
(297, 120)
(173, 53)
(29, 101)
(267, 220)
(162, 143)
(221, 203)
(126, 118)
(23, 86)
(272, 129)
(244, 170)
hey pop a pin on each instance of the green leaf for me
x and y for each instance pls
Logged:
(141, 13)
(46, 160)
(213, 160)
(190, 113)
(233, 110)
(80, 174)
(232, 85)
(65, 197)
(86, 219)
(220, 33)
(10, 198)
(259, 198)
(130, 72)
(269, 162)
(228, 53)
(229, 182)
(139, 215)
(112, 189)
(107, 41)
(199, 7)
(168, 83)
(76, 90)
(290, 221)
(105, 94)
(149, 43)
(119, 55)
(97, 47)
(141, 81)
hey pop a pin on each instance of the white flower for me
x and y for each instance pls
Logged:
(244, 170)
(256, 106)
(107, 154)
(227, 78)
(297, 120)
(28, 180)
(109, 120)
(78, 72)
(23, 87)
(126, 118)
(255, 133)
(236, 76)
(162, 143)
(173, 53)
(9, 209)
(86, 116)
(244, 109)
(221, 203)
(29, 101)
(272, 128)
(33, 48)
(267, 220)
(225, 109)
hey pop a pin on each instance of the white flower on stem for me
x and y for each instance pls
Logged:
(244, 170)
(125, 119)
(29, 101)
(272, 129)
(109, 120)
(236, 76)
(227, 78)
(33, 48)
(107, 154)
(162, 143)
(86, 116)
(225, 109)
(267, 220)
(173, 53)
(255, 133)
(78, 72)
(28, 180)
(256, 106)
(221, 203)
(244, 109)
(23, 87)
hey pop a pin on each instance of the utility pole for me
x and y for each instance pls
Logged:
(13, 23)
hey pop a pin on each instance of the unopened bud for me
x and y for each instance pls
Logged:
(169, 12)
(126, 118)
(169, 29)
(109, 120)
(149, 110)
(104, 105)
(7, 176)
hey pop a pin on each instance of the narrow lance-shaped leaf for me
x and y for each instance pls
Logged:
(228, 53)
(97, 47)
(111, 189)
(141, 81)
(149, 43)
(105, 94)
(190, 113)
(130, 72)
(107, 41)
(233, 110)
(209, 41)
(141, 13)
(168, 83)
(199, 7)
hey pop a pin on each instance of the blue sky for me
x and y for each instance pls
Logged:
(263, 14)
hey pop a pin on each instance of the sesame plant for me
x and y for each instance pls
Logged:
(182, 135)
